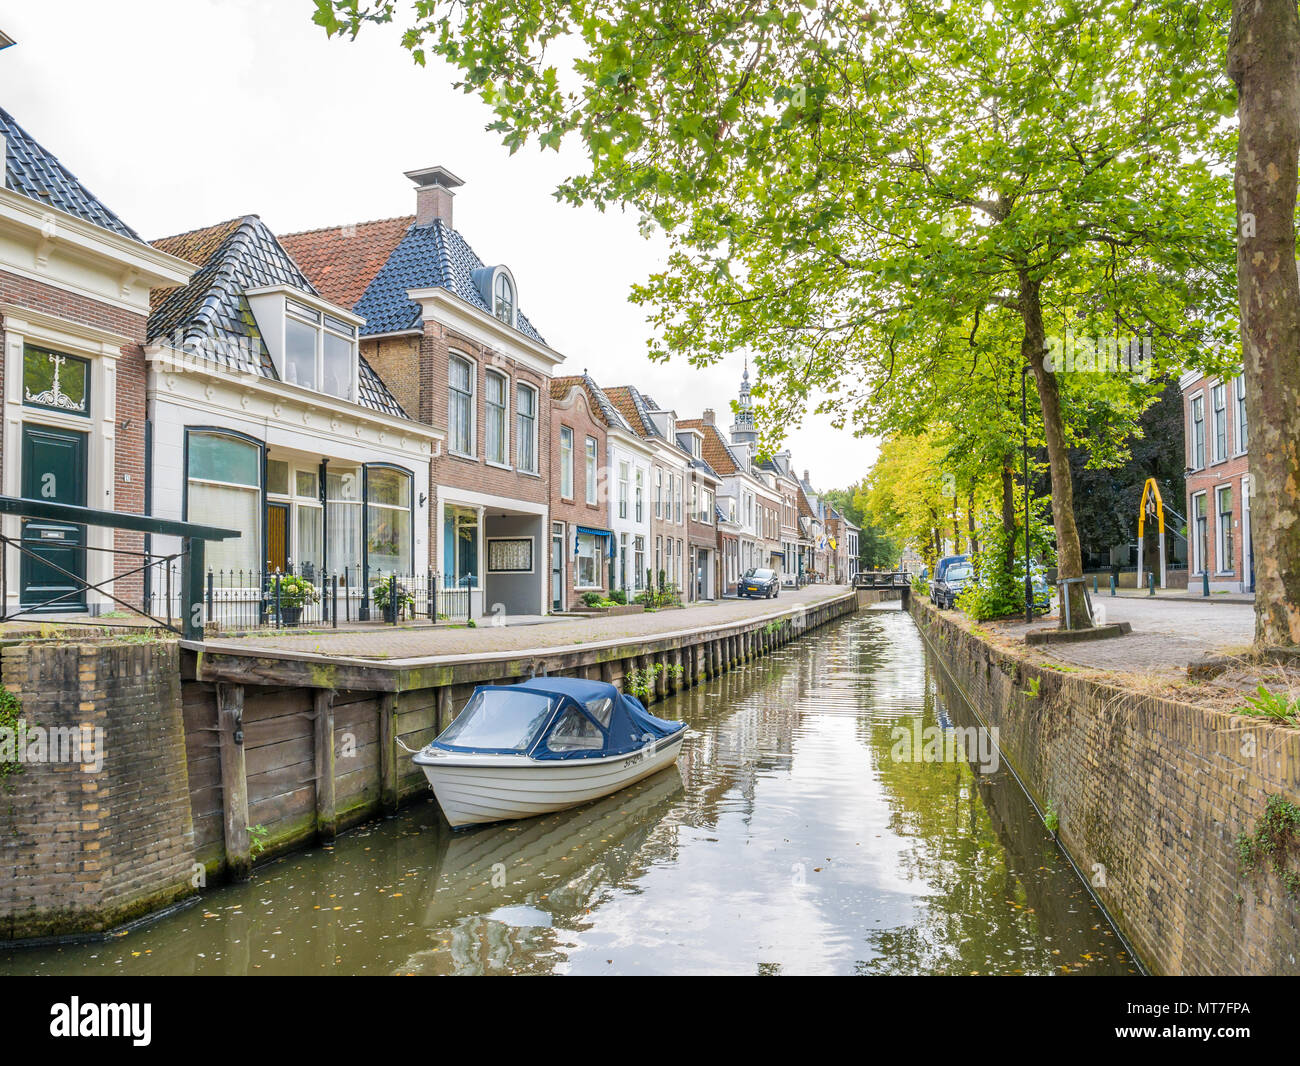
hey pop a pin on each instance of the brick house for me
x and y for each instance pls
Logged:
(668, 474)
(265, 417)
(1219, 487)
(582, 542)
(703, 484)
(445, 333)
(74, 301)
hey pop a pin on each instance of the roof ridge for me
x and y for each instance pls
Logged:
(345, 225)
(204, 229)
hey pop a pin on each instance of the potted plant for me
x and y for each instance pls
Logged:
(294, 593)
(393, 599)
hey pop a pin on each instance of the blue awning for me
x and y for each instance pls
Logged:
(595, 532)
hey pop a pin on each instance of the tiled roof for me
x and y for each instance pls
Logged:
(433, 256)
(36, 174)
(342, 261)
(717, 452)
(805, 508)
(596, 396)
(210, 316)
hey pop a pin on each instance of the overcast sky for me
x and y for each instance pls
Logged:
(182, 113)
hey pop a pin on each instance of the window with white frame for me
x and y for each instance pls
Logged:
(640, 495)
(495, 411)
(1197, 443)
(677, 500)
(224, 488)
(460, 406)
(1239, 391)
(1224, 562)
(320, 351)
(566, 463)
(638, 563)
(591, 470)
(622, 490)
(526, 428)
(659, 492)
(588, 560)
(503, 298)
(1219, 402)
(1200, 528)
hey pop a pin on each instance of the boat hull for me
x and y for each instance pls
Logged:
(477, 789)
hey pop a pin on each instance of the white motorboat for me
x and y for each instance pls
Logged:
(544, 745)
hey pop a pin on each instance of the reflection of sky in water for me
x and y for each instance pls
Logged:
(797, 845)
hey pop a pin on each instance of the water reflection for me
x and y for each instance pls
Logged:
(789, 839)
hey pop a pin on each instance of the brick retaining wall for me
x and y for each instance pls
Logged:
(1151, 795)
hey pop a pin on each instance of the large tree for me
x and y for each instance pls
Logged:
(1264, 61)
(836, 179)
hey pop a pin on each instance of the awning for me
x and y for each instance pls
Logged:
(595, 532)
(782, 554)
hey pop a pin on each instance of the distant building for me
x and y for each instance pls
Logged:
(1219, 487)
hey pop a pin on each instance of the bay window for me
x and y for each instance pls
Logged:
(388, 520)
(343, 520)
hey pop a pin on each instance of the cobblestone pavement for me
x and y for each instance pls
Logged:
(397, 643)
(1167, 634)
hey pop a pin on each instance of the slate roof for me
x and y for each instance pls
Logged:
(422, 257)
(343, 260)
(33, 172)
(210, 316)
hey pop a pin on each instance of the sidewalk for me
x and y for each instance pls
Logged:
(391, 643)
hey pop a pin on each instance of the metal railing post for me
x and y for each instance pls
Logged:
(192, 582)
(279, 618)
(334, 606)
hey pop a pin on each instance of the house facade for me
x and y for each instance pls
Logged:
(1218, 480)
(264, 417)
(702, 523)
(74, 305)
(445, 332)
(583, 545)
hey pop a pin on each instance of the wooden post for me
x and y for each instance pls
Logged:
(234, 780)
(327, 825)
(388, 752)
(444, 708)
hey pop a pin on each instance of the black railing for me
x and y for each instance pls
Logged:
(881, 579)
(62, 525)
(237, 600)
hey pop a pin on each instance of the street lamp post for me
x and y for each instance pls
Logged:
(1024, 430)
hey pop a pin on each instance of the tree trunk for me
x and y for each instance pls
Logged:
(1069, 555)
(1264, 61)
(972, 537)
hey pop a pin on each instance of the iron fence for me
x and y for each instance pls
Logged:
(312, 597)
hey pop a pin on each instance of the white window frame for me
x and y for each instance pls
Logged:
(592, 470)
(534, 435)
(1241, 436)
(1196, 443)
(1219, 415)
(566, 463)
(472, 453)
(504, 410)
(1223, 551)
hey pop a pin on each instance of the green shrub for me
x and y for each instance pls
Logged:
(619, 596)
(295, 591)
(11, 714)
(592, 599)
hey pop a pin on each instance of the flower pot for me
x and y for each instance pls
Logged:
(290, 616)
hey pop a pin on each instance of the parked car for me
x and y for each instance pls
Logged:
(940, 568)
(759, 581)
(945, 590)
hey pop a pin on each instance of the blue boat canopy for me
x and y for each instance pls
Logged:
(554, 718)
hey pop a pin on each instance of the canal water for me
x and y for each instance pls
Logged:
(803, 831)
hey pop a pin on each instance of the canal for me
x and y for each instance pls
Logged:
(802, 832)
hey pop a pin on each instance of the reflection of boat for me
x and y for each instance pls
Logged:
(544, 745)
(482, 871)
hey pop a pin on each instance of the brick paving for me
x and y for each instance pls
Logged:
(395, 643)
(1167, 634)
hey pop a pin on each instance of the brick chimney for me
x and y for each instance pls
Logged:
(805, 478)
(709, 416)
(433, 194)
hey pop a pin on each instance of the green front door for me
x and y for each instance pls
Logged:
(54, 471)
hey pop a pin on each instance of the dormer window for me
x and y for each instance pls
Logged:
(503, 298)
(311, 345)
(320, 351)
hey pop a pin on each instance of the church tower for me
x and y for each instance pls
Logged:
(743, 433)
